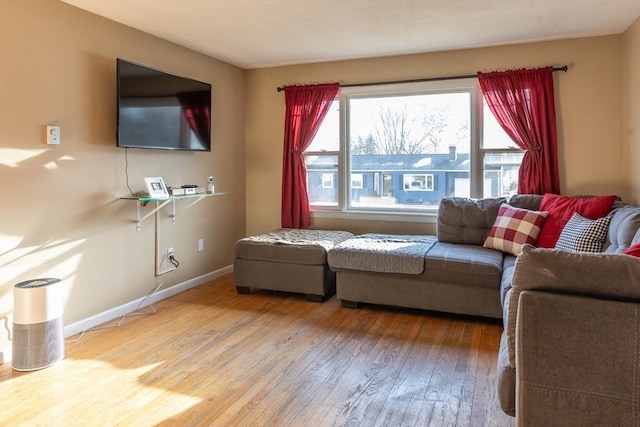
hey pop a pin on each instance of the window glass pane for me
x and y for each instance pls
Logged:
(322, 177)
(501, 174)
(410, 149)
(328, 136)
(493, 136)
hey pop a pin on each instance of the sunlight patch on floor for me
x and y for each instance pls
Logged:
(100, 391)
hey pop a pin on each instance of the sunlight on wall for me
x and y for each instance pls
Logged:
(12, 157)
(54, 165)
(16, 261)
(24, 263)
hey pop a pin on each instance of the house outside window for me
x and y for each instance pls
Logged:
(398, 149)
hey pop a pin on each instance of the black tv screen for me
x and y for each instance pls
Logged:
(161, 110)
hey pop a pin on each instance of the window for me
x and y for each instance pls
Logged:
(401, 148)
(415, 182)
(357, 180)
(501, 158)
(327, 180)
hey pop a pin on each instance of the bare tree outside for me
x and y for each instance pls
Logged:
(396, 127)
(396, 132)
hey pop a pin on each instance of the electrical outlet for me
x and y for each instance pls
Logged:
(170, 252)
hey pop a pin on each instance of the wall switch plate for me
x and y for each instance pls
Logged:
(53, 135)
(200, 245)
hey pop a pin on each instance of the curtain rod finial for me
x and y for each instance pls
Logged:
(280, 89)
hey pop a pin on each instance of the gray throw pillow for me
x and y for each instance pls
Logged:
(466, 221)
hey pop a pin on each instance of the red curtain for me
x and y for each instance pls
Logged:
(522, 102)
(195, 106)
(306, 107)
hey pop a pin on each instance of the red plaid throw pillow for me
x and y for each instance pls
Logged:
(513, 228)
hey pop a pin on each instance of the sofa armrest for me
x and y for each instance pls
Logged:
(604, 275)
(608, 276)
(577, 360)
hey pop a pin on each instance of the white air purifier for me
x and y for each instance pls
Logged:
(38, 338)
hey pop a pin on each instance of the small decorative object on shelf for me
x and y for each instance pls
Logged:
(156, 187)
(210, 187)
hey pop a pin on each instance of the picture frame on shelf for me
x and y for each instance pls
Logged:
(156, 188)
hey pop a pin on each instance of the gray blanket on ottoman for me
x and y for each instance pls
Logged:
(383, 253)
(293, 236)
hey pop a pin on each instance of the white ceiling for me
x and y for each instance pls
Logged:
(266, 33)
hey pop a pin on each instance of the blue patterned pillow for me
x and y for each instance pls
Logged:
(581, 234)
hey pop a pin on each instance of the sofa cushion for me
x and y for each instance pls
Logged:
(624, 229)
(584, 235)
(601, 275)
(561, 208)
(513, 228)
(507, 276)
(467, 265)
(466, 221)
(526, 201)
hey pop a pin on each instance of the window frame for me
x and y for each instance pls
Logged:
(477, 153)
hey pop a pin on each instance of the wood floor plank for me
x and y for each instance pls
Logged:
(211, 357)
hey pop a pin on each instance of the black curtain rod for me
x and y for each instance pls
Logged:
(564, 68)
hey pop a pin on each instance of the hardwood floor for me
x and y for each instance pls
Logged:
(210, 357)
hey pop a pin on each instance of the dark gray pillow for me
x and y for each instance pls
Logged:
(466, 221)
(526, 201)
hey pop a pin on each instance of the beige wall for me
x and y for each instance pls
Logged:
(631, 112)
(60, 215)
(588, 107)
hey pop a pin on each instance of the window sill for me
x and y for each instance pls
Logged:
(429, 217)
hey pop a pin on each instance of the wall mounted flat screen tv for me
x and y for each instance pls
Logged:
(161, 111)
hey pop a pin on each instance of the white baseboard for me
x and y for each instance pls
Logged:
(145, 301)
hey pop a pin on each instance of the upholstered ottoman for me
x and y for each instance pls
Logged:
(288, 260)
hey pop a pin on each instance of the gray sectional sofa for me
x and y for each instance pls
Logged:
(459, 275)
(570, 351)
